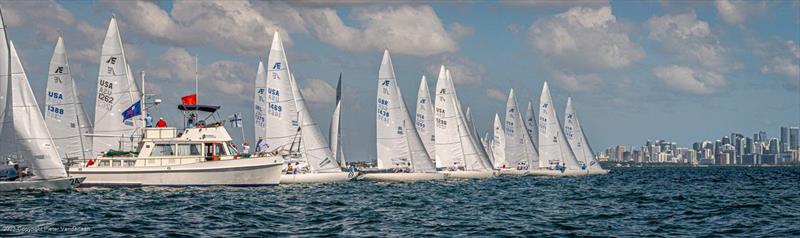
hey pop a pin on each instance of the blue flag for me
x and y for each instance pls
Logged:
(134, 110)
(236, 120)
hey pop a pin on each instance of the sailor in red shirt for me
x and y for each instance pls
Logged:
(161, 122)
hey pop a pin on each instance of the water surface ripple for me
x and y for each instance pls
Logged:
(628, 202)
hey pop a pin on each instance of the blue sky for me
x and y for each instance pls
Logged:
(637, 70)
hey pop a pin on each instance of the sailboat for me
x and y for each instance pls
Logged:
(424, 119)
(335, 130)
(578, 141)
(34, 143)
(291, 129)
(401, 154)
(457, 152)
(556, 156)
(64, 112)
(520, 153)
(498, 143)
(116, 91)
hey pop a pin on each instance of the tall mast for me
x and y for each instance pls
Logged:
(143, 103)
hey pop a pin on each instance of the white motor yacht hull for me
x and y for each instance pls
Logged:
(403, 177)
(317, 178)
(36, 184)
(469, 174)
(238, 172)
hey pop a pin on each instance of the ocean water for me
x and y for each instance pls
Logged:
(628, 202)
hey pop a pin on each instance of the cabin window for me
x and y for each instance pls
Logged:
(104, 163)
(189, 149)
(116, 163)
(163, 150)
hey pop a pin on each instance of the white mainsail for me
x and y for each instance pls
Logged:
(35, 144)
(455, 144)
(315, 150)
(398, 144)
(281, 122)
(260, 104)
(424, 119)
(116, 92)
(498, 144)
(553, 145)
(530, 124)
(8, 139)
(577, 138)
(64, 112)
(519, 147)
(335, 133)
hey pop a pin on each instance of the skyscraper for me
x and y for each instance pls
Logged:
(794, 138)
(784, 139)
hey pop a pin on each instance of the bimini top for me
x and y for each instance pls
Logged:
(203, 108)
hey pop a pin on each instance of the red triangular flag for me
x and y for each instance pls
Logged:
(190, 99)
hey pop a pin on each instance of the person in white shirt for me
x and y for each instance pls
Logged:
(245, 148)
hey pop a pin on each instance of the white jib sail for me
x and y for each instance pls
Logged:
(424, 120)
(519, 147)
(499, 144)
(64, 113)
(335, 133)
(398, 144)
(35, 144)
(553, 145)
(260, 104)
(577, 138)
(281, 122)
(314, 147)
(115, 94)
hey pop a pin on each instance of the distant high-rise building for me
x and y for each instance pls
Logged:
(726, 140)
(749, 146)
(794, 138)
(773, 146)
(619, 152)
(784, 139)
(762, 136)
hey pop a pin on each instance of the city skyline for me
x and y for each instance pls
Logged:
(675, 70)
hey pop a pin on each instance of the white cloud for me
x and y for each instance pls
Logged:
(229, 77)
(318, 91)
(686, 79)
(690, 40)
(585, 39)
(234, 26)
(463, 70)
(784, 61)
(577, 82)
(735, 12)
(459, 31)
(556, 3)
(496, 94)
(412, 30)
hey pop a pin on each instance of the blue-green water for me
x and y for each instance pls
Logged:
(750, 202)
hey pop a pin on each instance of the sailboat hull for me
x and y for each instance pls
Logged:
(242, 172)
(403, 177)
(469, 174)
(317, 178)
(50, 184)
(514, 172)
(559, 173)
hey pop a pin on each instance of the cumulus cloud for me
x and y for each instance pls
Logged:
(585, 39)
(577, 82)
(686, 79)
(690, 40)
(412, 30)
(784, 60)
(176, 65)
(463, 70)
(318, 91)
(496, 94)
(556, 3)
(234, 26)
(735, 12)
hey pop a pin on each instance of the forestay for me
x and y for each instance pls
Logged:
(35, 144)
(398, 144)
(553, 145)
(64, 112)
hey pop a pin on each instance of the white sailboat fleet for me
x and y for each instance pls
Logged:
(25, 128)
(440, 143)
